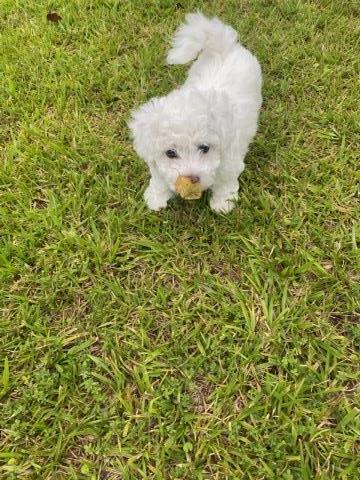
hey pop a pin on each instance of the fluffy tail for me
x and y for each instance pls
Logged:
(200, 33)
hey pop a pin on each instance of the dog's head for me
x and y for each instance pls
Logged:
(183, 134)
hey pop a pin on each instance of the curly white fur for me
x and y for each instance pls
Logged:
(217, 106)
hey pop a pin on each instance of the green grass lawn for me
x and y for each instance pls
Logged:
(184, 344)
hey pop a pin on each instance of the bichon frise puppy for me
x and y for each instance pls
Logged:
(196, 137)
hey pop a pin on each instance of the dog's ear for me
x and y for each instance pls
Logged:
(143, 125)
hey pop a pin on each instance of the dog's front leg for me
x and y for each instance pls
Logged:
(157, 193)
(224, 197)
(224, 193)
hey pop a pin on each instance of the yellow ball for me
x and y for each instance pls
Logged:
(187, 188)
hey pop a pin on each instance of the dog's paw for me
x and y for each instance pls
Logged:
(222, 204)
(154, 200)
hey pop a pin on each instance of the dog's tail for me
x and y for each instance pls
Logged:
(200, 33)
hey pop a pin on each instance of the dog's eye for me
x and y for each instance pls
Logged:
(204, 148)
(171, 153)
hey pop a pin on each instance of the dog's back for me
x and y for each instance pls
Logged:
(222, 62)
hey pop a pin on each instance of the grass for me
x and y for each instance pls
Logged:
(179, 345)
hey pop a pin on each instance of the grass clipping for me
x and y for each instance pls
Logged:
(187, 188)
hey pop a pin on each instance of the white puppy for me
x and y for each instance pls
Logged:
(203, 129)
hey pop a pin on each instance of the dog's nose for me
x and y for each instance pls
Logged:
(193, 179)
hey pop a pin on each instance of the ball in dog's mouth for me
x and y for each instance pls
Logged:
(187, 188)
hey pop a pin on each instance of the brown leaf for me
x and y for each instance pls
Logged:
(53, 17)
(327, 265)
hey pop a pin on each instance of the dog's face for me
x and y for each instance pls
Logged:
(180, 135)
(193, 154)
